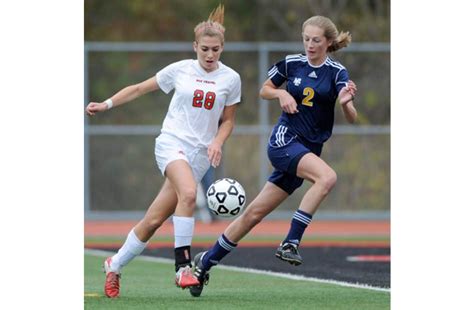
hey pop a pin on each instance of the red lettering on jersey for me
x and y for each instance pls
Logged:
(205, 81)
(197, 99)
(208, 99)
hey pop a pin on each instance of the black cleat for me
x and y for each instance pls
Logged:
(288, 252)
(201, 274)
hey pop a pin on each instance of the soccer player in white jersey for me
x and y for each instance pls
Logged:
(313, 84)
(191, 139)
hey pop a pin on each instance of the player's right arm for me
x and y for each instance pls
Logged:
(277, 75)
(271, 91)
(125, 95)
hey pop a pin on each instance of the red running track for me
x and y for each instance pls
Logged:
(265, 228)
(336, 229)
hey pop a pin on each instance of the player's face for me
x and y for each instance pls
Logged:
(208, 51)
(315, 44)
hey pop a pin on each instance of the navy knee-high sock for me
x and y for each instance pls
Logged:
(221, 248)
(299, 223)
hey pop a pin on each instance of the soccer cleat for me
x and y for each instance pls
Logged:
(185, 278)
(288, 252)
(201, 274)
(112, 280)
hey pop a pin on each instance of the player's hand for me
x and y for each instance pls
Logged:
(94, 107)
(214, 152)
(348, 93)
(288, 103)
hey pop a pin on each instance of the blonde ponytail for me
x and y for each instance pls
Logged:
(213, 27)
(342, 40)
(217, 15)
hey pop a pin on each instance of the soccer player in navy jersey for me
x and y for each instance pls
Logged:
(314, 82)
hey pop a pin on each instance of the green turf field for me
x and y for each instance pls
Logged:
(150, 285)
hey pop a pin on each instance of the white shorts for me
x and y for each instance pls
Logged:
(169, 148)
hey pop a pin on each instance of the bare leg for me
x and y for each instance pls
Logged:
(160, 209)
(314, 169)
(323, 177)
(181, 177)
(266, 201)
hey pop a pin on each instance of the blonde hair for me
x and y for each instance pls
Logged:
(213, 27)
(339, 39)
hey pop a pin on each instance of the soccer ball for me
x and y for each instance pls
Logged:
(226, 197)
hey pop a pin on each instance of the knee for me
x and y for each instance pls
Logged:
(150, 225)
(188, 196)
(252, 217)
(328, 180)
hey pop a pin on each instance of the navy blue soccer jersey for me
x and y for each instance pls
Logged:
(315, 90)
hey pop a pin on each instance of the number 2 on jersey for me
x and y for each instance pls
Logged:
(309, 93)
(208, 99)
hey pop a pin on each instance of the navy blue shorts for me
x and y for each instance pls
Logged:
(285, 151)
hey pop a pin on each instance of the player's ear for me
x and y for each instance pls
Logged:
(195, 46)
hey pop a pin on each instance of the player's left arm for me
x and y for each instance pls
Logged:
(346, 99)
(214, 151)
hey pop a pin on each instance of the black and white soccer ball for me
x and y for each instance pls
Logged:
(226, 197)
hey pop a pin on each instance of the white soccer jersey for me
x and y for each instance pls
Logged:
(199, 99)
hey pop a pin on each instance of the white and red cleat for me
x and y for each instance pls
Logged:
(112, 280)
(185, 277)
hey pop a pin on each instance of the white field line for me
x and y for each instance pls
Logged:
(249, 270)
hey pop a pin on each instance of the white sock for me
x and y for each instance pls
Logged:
(183, 230)
(129, 250)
